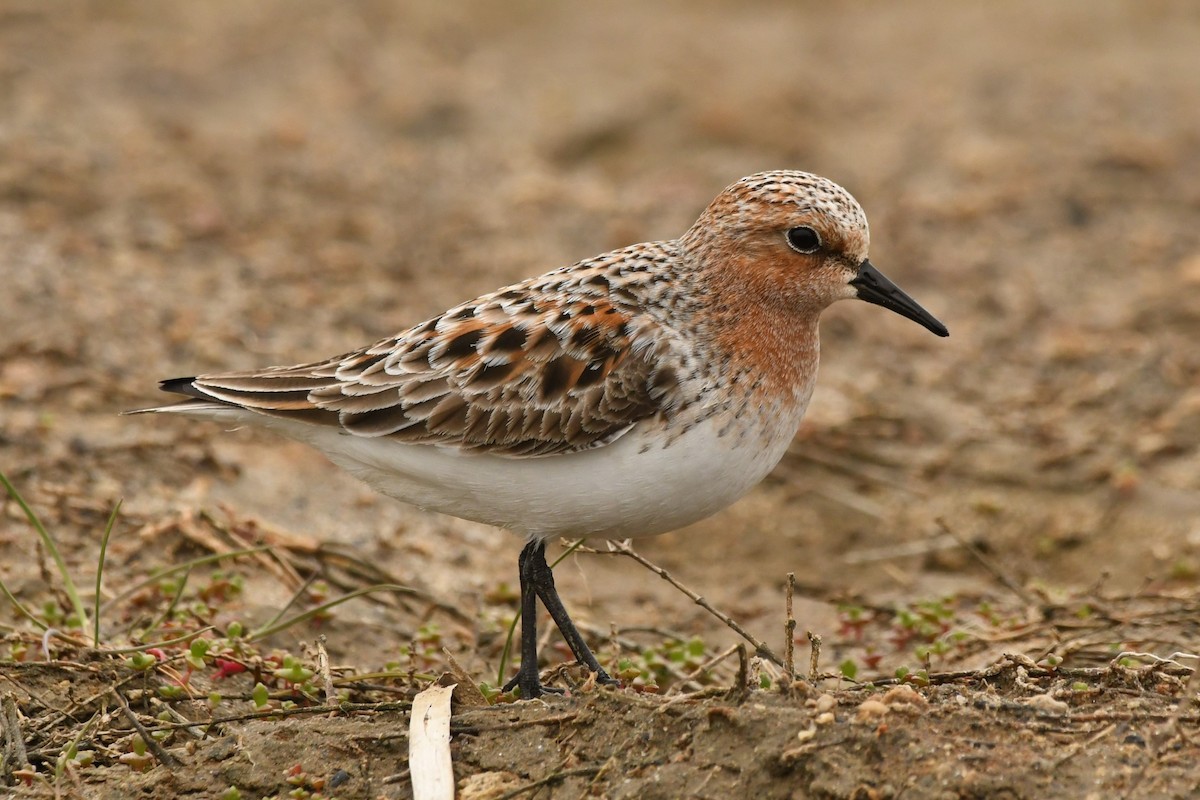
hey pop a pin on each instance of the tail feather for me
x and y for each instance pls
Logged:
(184, 386)
(197, 402)
(200, 403)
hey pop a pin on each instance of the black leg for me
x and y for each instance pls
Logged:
(544, 584)
(527, 676)
(537, 582)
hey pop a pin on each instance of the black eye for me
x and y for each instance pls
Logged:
(803, 240)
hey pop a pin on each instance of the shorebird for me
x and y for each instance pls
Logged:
(626, 395)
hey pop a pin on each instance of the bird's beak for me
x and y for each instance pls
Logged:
(875, 288)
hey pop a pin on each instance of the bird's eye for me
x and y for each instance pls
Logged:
(803, 240)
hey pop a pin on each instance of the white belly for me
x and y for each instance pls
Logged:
(632, 487)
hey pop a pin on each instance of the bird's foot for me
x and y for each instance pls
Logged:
(530, 683)
(604, 679)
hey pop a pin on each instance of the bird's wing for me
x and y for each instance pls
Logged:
(520, 372)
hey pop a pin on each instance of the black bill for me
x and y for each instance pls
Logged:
(875, 288)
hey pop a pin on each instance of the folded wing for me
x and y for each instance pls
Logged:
(515, 373)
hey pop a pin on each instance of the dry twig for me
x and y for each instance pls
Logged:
(741, 686)
(164, 758)
(760, 647)
(15, 756)
(1076, 749)
(467, 693)
(331, 698)
(814, 657)
(1174, 724)
(789, 629)
(991, 566)
(553, 777)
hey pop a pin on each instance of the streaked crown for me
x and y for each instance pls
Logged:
(767, 197)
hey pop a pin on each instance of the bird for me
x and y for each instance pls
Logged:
(629, 394)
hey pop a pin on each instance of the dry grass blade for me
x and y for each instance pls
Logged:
(141, 648)
(346, 571)
(171, 606)
(275, 627)
(295, 598)
(159, 574)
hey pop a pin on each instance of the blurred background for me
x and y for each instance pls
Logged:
(191, 187)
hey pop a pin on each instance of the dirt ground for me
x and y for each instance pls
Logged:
(1009, 517)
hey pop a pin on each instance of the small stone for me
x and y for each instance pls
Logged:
(825, 702)
(871, 711)
(487, 785)
(1044, 702)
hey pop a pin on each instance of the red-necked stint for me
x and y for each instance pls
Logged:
(626, 395)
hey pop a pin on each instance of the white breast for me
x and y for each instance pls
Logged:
(635, 486)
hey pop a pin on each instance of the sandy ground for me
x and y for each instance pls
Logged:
(206, 186)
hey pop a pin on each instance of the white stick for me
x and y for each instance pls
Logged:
(429, 761)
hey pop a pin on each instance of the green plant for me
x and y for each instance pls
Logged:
(80, 615)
